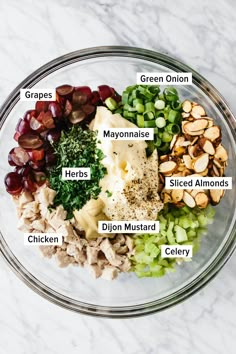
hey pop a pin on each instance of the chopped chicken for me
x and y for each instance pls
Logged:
(24, 198)
(39, 225)
(30, 210)
(92, 255)
(46, 196)
(65, 229)
(130, 243)
(126, 265)
(24, 225)
(109, 273)
(57, 217)
(64, 259)
(111, 256)
(48, 251)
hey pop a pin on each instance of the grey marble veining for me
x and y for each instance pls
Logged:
(201, 34)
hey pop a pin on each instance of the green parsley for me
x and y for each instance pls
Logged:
(76, 148)
(109, 194)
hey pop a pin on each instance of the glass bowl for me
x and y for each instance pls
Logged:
(72, 287)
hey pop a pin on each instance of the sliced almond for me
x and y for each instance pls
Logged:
(215, 171)
(207, 146)
(167, 198)
(198, 110)
(164, 158)
(194, 140)
(221, 154)
(187, 161)
(212, 133)
(197, 125)
(189, 200)
(201, 163)
(201, 200)
(199, 132)
(177, 195)
(185, 115)
(187, 106)
(186, 143)
(218, 163)
(167, 167)
(180, 141)
(204, 173)
(186, 172)
(196, 191)
(191, 150)
(173, 141)
(215, 195)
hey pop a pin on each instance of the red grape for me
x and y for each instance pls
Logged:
(104, 92)
(50, 158)
(13, 183)
(68, 108)
(36, 125)
(18, 157)
(47, 120)
(65, 90)
(84, 89)
(22, 127)
(23, 171)
(29, 114)
(41, 106)
(77, 116)
(37, 165)
(53, 135)
(55, 109)
(30, 141)
(95, 99)
(16, 136)
(79, 98)
(88, 109)
(40, 178)
(29, 184)
(36, 155)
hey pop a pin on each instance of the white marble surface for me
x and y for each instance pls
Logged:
(202, 34)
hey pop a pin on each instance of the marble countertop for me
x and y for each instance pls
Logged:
(201, 34)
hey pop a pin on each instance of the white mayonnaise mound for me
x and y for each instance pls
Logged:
(130, 187)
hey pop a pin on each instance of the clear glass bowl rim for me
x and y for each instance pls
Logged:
(216, 264)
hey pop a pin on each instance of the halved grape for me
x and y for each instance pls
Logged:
(55, 109)
(36, 155)
(77, 116)
(68, 108)
(22, 127)
(50, 158)
(40, 178)
(41, 106)
(79, 98)
(86, 90)
(29, 114)
(18, 157)
(88, 109)
(65, 90)
(104, 92)
(30, 141)
(95, 98)
(29, 184)
(53, 135)
(37, 165)
(36, 125)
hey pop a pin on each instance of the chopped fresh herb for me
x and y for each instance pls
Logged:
(77, 148)
(109, 194)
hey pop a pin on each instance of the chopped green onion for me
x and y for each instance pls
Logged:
(149, 124)
(139, 107)
(140, 121)
(160, 122)
(172, 116)
(172, 128)
(159, 104)
(111, 103)
(167, 137)
(149, 115)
